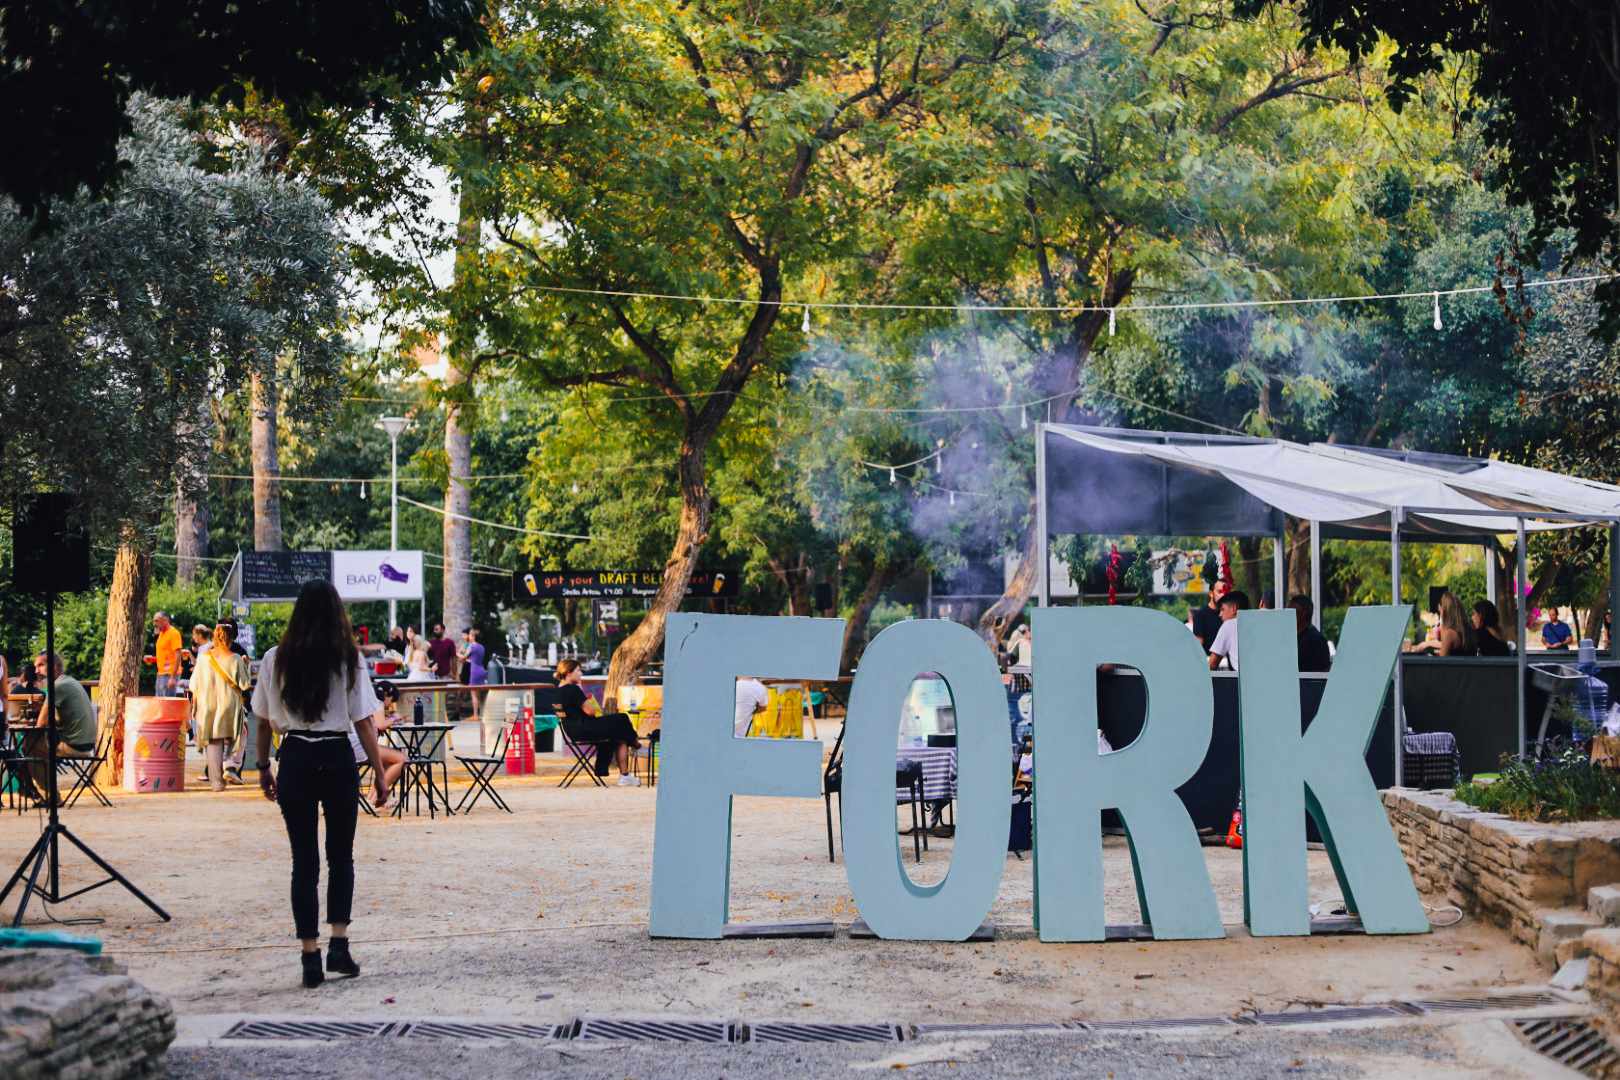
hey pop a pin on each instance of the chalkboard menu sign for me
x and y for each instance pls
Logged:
(278, 575)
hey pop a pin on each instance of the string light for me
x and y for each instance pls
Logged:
(362, 490)
(804, 324)
(1438, 325)
(1023, 418)
(1064, 309)
(1110, 322)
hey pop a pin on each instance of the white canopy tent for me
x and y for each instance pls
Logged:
(1111, 481)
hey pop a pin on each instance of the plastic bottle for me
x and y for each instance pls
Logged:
(418, 711)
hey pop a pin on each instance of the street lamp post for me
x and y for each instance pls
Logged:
(394, 426)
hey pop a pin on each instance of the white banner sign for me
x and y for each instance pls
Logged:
(377, 575)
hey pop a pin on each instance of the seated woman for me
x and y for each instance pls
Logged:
(584, 722)
(1451, 637)
(1488, 640)
(393, 759)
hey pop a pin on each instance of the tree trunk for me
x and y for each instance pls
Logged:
(1057, 377)
(1000, 617)
(1298, 560)
(855, 629)
(458, 613)
(126, 636)
(266, 467)
(190, 497)
(1249, 576)
(690, 534)
(457, 530)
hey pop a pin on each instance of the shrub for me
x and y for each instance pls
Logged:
(1562, 786)
(81, 622)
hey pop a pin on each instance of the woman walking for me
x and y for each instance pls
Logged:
(220, 680)
(313, 689)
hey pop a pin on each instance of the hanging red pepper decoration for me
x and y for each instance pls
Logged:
(1226, 567)
(1114, 561)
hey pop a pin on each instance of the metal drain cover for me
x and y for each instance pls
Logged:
(309, 1029)
(1502, 1001)
(697, 1031)
(450, 1029)
(1152, 1024)
(1575, 1044)
(823, 1033)
(1329, 1015)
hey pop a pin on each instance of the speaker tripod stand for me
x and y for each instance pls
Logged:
(45, 857)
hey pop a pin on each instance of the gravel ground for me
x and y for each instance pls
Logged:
(541, 916)
(1478, 1049)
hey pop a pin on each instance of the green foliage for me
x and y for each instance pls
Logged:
(81, 622)
(1563, 786)
(121, 323)
(69, 67)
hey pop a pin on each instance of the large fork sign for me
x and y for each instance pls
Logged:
(1285, 773)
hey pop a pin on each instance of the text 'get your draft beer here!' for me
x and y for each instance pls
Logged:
(1285, 773)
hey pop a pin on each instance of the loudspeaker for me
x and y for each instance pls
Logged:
(50, 553)
(824, 597)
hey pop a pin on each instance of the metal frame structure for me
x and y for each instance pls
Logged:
(1428, 465)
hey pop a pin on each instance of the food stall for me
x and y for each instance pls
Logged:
(1112, 482)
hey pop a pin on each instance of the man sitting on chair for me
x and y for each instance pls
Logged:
(75, 723)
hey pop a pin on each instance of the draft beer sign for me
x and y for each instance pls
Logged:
(1285, 773)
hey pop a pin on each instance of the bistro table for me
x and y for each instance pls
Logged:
(421, 744)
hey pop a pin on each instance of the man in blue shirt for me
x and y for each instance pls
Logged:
(1555, 633)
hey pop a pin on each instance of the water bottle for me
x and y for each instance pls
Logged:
(418, 712)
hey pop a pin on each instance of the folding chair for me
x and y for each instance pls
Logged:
(584, 757)
(481, 769)
(360, 799)
(648, 753)
(84, 768)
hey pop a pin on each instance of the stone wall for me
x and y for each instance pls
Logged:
(64, 1014)
(1514, 873)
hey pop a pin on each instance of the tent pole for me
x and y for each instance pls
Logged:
(1045, 568)
(1490, 572)
(1397, 707)
(1279, 570)
(1614, 591)
(1316, 574)
(1522, 660)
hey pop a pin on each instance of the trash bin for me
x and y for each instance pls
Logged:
(155, 744)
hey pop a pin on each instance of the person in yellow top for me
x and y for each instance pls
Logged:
(219, 684)
(167, 655)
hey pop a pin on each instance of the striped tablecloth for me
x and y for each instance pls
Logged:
(939, 771)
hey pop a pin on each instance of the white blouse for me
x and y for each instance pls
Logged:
(344, 705)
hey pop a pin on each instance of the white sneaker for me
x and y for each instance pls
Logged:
(629, 780)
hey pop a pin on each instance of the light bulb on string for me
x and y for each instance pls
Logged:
(953, 498)
(891, 476)
(804, 324)
(1110, 322)
(1023, 418)
(575, 487)
(1438, 325)
(362, 489)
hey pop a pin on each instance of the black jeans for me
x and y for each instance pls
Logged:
(319, 773)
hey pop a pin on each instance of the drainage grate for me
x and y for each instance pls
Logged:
(1503, 1001)
(309, 1029)
(448, 1029)
(697, 1031)
(1575, 1044)
(823, 1033)
(1151, 1024)
(1333, 1014)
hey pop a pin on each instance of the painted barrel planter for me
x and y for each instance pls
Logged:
(155, 744)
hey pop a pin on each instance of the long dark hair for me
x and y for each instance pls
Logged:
(317, 646)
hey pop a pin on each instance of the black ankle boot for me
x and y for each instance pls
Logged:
(312, 970)
(338, 960)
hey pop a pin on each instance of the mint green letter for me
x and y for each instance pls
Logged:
(704, 765)
(1323, 771)
(892, 905)
(1074, 783)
